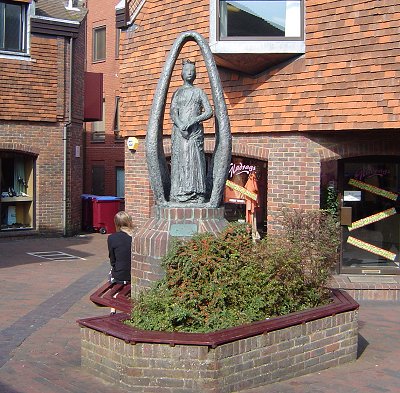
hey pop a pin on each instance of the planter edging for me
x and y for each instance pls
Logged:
(114, 326)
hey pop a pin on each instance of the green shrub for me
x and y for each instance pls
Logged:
(216, 282)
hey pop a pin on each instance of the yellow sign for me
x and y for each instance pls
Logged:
(242, 190)
(373, 189)
(374, 218)
(371, 248)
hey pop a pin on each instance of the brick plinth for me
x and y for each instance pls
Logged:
(230, 360)
(152, 240)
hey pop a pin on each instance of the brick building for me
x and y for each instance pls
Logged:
(104, 148)
(312, 90)
(42, 58)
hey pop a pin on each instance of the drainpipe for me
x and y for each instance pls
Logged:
(65, 145)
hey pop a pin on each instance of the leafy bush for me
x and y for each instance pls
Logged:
(216, 282)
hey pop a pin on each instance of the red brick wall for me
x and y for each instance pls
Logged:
(31, 90)
(44, 142)
(75, 136)
(33, 112)
(340, 99)
(110, 153)
(240, 365)
(347, 79)
(294, 165)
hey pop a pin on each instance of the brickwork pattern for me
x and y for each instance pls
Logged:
(347, 79)
(75, 139)
(33, 90)
(34, 109)
(294, 165)
(45, 142)
(255, 361)
(368, 290)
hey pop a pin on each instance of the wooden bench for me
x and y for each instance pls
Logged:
(116, 296)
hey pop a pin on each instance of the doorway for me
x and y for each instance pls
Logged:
(369, 189)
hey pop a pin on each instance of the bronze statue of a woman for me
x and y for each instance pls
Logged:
(189, 108)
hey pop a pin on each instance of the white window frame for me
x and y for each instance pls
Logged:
(25, 52)
(95, 30)
(267, 45)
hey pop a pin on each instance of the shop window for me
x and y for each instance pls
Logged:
(17, 191)
(120, 186)
(99, 44)
(245, 194)
(13, 26)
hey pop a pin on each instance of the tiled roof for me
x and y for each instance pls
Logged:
(58, 9)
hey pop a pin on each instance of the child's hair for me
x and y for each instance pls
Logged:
(123, 222)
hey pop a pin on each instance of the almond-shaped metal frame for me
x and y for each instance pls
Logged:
(159, 175)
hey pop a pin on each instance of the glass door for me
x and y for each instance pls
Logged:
(369, 189)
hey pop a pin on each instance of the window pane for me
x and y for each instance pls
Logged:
(99, 44)
(116, 114)
(260, 18)
(120, 176)
(98, 180)
(12, 26)
(99, 127)
(117, 41)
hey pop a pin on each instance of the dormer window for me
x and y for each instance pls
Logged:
(268, 19)
(13, 26)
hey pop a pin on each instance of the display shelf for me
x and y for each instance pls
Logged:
(17, 199)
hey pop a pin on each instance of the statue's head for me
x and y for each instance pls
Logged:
(188, 70)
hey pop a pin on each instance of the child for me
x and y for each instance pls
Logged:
(119, 250)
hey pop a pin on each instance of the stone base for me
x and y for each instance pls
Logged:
(152, 241)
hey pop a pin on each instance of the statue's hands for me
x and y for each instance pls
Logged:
(185, 130)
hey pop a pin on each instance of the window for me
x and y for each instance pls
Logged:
(251, 36)
(262, 19)
(13, 21)
(99, 44)
(120, 178)
(98, 180)
(116, 120)
(117, 42)
(99, 127)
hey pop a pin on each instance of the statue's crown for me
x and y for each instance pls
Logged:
(187, 61)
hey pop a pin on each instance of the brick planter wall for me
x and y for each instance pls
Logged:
(225, 361)
(152, 241)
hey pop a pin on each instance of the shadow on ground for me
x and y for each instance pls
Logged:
(14, 252)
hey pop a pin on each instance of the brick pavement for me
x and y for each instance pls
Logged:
(40, 342)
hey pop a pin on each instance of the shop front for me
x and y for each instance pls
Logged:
(369, 192)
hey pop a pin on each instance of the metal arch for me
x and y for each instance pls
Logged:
(160, 180)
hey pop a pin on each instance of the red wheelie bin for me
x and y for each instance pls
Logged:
(104, 210)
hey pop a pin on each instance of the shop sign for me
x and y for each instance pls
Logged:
(238, 169)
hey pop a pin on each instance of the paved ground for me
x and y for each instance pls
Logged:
(41, 299)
